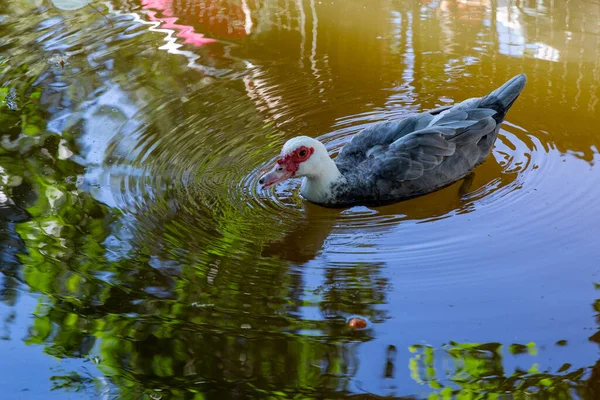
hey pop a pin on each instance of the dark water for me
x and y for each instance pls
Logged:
(140, 259)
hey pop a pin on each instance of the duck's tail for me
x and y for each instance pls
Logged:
(503, 98)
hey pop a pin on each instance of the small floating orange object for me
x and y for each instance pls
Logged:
(357, 323)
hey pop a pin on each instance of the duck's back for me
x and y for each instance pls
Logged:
(396, 160)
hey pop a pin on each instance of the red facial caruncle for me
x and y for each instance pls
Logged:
(292, 161)
(286, 166)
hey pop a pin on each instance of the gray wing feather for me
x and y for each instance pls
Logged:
(474, 132)
(411, 155)
(400, 167)
(481, 113)
(430, 140)
(377, 151)
(457, 124)
(370, 140)
(450, 116)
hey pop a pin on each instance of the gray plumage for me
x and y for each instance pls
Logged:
(397, 160)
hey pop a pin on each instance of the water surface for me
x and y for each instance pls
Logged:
(141, 260)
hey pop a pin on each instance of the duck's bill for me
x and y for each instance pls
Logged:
(274, 176)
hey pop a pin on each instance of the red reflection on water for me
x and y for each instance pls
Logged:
(168, 20)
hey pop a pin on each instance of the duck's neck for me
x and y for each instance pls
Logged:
(318, 187)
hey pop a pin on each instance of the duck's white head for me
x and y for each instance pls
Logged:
(300, 156)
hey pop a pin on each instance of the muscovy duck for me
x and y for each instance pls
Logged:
(397, 160)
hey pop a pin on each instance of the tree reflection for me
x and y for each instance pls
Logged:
(475, 370)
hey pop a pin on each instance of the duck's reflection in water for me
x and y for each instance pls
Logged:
(306, 239)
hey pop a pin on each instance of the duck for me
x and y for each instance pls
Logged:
(396, 160)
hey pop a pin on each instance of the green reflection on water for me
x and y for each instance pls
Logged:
(473, 370)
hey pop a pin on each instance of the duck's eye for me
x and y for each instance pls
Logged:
(302, 153)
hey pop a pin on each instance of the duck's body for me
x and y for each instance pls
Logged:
(393, 161)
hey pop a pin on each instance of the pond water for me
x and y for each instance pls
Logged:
(139, 258)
